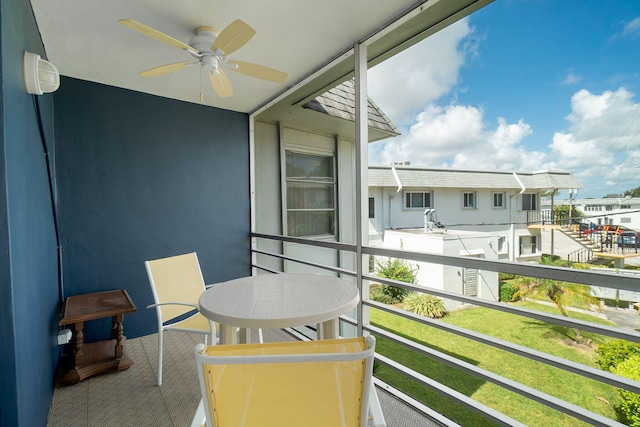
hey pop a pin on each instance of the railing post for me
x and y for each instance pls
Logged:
(362, 170)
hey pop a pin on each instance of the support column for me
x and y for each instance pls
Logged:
(362, 170)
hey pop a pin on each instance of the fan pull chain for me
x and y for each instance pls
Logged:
(201, 95)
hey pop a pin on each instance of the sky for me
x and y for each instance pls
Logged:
(521, 85)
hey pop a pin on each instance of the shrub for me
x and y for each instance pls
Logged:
(629, 407)
(394, 269)
(383, 294)
(612, 353)
(424, 305)
(509, 292)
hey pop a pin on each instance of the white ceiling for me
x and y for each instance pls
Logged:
(84, 40)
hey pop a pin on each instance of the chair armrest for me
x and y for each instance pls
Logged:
(188, 304)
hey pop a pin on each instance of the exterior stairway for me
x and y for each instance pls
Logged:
(584, 254)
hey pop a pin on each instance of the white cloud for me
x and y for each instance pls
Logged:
(632, 28)
(600, 144)
(456, 136)
(571, 79)
(421, 75)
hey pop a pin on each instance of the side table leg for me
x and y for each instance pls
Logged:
(117, 334)
(78, 344)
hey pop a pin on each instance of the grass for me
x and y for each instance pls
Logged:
(549, 338)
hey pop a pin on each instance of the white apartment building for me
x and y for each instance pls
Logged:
(482, 214)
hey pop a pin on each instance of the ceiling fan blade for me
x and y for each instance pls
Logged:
(259, 71)
(164, 69)
(155, 34)
(232, 38)
(221, 84)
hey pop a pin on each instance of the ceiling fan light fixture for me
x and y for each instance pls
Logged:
(211, 49)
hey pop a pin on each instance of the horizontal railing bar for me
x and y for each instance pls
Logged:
(309, 263)
(416, 404)
(521, 389)
(538, 356)
(532, 314)
(586, 277)
(321, 243)
(442, 389)
(265, 268)
(613, 280)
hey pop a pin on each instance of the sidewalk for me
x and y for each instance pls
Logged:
(562, 244)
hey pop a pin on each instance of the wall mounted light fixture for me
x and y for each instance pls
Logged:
(40, 76)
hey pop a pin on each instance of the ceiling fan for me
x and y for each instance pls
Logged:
(211, 49)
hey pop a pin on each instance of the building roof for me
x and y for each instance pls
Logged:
(603, 201)
(340, 102)
(419, 177)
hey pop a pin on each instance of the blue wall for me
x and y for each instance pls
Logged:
(28, 260)
(142, 177)
(138, 177)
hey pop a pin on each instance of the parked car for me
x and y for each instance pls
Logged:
(628, 239)
(607, 228)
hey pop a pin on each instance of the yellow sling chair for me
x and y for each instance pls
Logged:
(303, 383)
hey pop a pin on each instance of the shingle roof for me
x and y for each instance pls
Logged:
(417, 177)
(341, 102)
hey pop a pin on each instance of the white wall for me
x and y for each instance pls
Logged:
(270, 142)
(392, 214)
(453, 243)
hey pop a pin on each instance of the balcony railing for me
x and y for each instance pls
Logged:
(265, 259)
(546, 217)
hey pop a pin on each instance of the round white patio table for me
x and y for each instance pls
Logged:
(275, 301)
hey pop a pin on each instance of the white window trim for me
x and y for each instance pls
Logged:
(537, 208)
(404, 200)
(504, 200)
(314, 151)
(475, 200)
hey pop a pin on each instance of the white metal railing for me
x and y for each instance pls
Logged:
(592, 278)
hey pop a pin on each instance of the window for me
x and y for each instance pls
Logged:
(528, 245)
(372, 208)
(499, 200)
(310, 187)
(529, 202)
(469, 200)
(418, 200)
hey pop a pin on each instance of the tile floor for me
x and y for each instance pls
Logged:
(132, 398)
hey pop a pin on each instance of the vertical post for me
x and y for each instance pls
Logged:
(362, 161)
(553, 217)
(252, 190)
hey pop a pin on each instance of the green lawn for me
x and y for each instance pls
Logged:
(552, 339)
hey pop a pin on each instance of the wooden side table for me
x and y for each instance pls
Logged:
(93, 358)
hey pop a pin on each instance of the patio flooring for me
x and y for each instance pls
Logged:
(132, 398)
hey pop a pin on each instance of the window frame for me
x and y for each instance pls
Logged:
(333, 182)
(465, 200)
(532, 245)
(503, 200)
(407, 195)
(372, 207)
(532, 197)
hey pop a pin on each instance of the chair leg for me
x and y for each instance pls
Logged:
(160, 335)
(199, 419)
